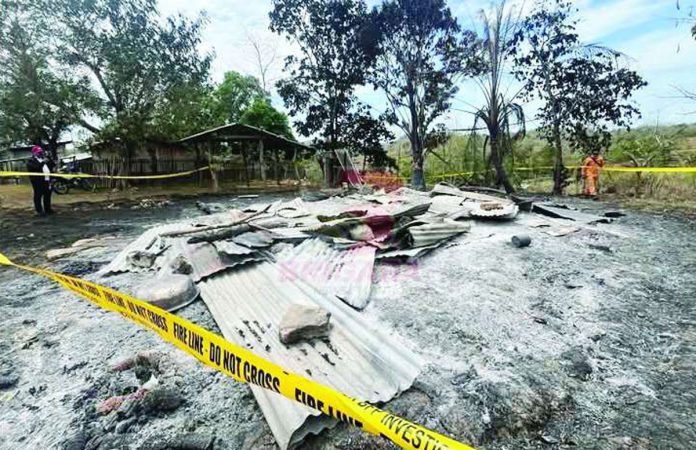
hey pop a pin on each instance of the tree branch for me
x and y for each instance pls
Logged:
(84, 124)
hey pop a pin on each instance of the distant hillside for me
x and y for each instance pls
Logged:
(464, 153)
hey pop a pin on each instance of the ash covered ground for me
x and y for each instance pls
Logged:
(583, 341)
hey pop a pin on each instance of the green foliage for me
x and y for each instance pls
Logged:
(320, 88)
(137, 58)
(236, 94)
(185, 109)
(262, 114)
(39, 101)
(644, 150)
(584, 88)
(367, 136)
(420, 50)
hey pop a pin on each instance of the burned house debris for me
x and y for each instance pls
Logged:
(258, 265)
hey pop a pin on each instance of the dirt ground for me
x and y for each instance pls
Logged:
(584, 341)
(19, 196)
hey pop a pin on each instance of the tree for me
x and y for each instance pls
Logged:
(235, 94)
(135, 57)
(583, 88)
(319, 92)
(500, 114)
(39, 101)
(183, 110)
(262, 114)
(420, 50)
(366, 135)
(265, 56)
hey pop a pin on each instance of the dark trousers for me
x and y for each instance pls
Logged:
(42, 196)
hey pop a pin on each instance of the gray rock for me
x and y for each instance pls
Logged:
(143, 260)
(169, 291)
(509, 408)
(162, 399)
(303, 322)
(180, 265)
(8, 380)
(597, 336)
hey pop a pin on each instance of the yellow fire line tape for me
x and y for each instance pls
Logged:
(447, 175)
(111, 177)
(243, 366)
(605, 169)
(646, 169)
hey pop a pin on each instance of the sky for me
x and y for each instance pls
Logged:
(647, 31)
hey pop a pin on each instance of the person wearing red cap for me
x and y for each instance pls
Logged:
(39, 163)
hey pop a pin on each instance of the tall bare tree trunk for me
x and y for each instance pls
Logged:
(558, 179)
(497, 160)
(418, 178)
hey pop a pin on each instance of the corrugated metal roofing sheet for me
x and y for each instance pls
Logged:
(356, 359)
(446, 204)
(203, 257)
(152, 238)
(254, 239)
(230, 248)
(472, 204)
(432, 233)
(347, 274)
(144, 242)
(409, 254)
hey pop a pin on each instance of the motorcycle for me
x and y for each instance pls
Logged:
(62, 186)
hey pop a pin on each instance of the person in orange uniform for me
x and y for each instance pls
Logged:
(591, 167)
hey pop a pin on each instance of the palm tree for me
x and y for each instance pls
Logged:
(500, 114)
